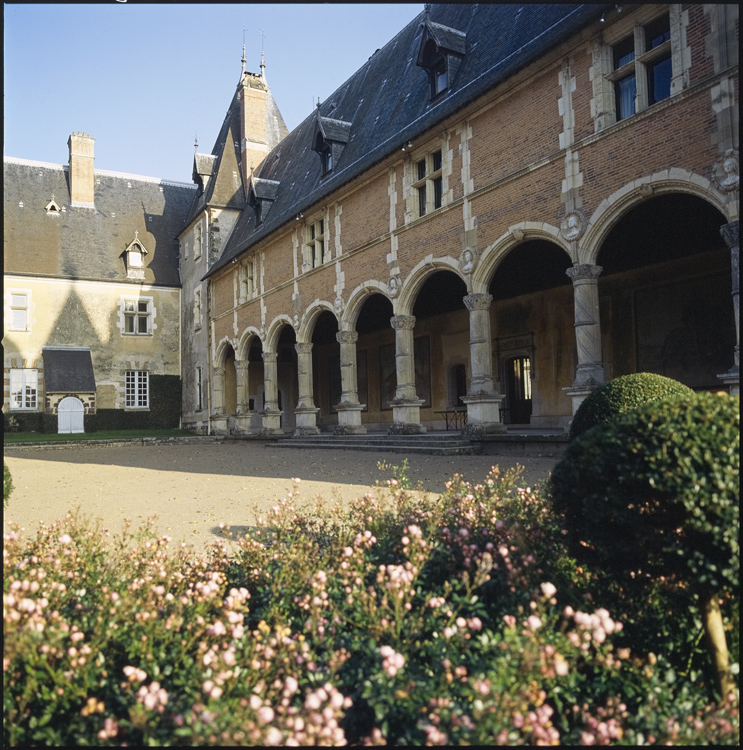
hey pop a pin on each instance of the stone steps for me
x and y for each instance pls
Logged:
(430, 444)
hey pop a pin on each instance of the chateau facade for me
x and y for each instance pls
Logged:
(504, 207)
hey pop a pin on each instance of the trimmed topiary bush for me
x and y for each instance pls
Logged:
(654, 496)
(7, 484)
(621, 395)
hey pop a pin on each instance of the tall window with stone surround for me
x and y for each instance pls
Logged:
(639, 66)
(428, 183)
(137, 389)
(315, 247)
(24, 385)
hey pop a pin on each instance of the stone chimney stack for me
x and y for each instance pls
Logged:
(82, 180)
(254, 146)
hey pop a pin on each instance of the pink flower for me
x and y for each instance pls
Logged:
(65, 539)
(534, 622)
(265, 714)
(548, 589)
(510, 620)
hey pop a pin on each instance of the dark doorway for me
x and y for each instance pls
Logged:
(518, 390)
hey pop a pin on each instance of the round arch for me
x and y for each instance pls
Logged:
(223, 348)
(246, 341)
(622, 201)
(273, 332)
(516, 234)
(356, 302)
(311, 314)
(412, 285)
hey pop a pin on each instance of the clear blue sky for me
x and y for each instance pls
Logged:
(143, 79)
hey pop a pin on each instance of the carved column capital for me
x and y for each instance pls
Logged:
(346, 337)
(583, 271)
(218, 370)
(731, 233)
(477, 301)
(242, 365)
(269, 357)
(303, 348)
(403, 322)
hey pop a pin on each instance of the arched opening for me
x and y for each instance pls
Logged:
(256, 384)
(532, 324)
(375, 374)
(70, 415)
(230, 382)
(665, 292)
(440, 343)
(286, 364)
(326, 369)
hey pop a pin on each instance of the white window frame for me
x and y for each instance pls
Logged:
(18, 307)
(137, 309)
(137, 389)
(316, 247)
(24, 385)
(249, 279)
(426, 172)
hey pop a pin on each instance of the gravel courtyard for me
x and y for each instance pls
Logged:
(193, 488)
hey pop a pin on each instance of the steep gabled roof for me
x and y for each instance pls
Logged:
(89, 243)
(387, 101)
(225, 187)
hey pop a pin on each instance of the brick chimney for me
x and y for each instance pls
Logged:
(82, 181)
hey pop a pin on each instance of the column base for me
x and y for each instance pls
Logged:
(243, 423)
(306, 417)
(731, 378)
(579, 391)
(219, 425)
(484, 414)
(406, 417)
(271, 423)
(349, 419)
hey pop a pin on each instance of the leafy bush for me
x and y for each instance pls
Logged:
(618, 396)
(7, 484)
(404, 619)
(654, 497)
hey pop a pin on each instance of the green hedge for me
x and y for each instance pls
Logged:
(164, 413)
(609, 401)
(656, 492)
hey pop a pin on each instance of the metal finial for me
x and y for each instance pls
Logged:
(263, 62)
(196, 141)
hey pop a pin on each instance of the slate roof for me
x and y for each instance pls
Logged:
(387, 101)
(68, 370)
(222, 190)
(89, 243)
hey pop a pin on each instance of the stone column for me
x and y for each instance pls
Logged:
(590, 370)
(218, 416)
(271, 414)
(349, 409)
(483, 401)
(242, 381)
(731, 235)
(306, 411)
(406, 406)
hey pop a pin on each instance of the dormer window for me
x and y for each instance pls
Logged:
(331, 137)
(261, 195)
(135, 258)
(440, 54)
(52, 208)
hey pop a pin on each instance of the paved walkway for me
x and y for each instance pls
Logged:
(192, 488)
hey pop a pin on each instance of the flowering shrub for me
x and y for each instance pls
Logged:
(405, 619)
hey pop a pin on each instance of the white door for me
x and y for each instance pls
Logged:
(70, 415)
